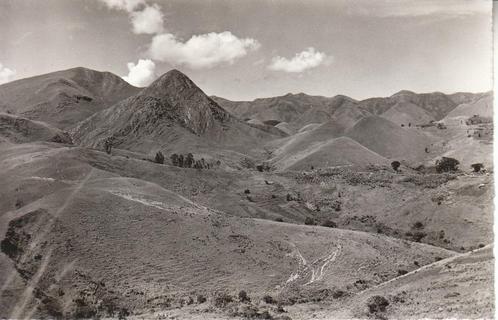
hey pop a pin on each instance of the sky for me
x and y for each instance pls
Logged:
(247, 49)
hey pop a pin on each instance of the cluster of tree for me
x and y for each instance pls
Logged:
(446, 164)
(189, 161)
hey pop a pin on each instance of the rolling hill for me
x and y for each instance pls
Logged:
(64, 98)
(390, 140)
(15, 129)
(172, 114)
(104, 241)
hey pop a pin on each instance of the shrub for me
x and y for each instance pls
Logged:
(395, 165)
(159, 157)
(222, 299)
(418, 225)
(481, 245)
(477, 167)
(247, 191)
(329, 224)
(309, 221)
(243, 296)
(377, 304)
(279, 220)
(268, 299)
(402, 272)
(338, 294)
(446, 164)
(438, 258)
(417, 236)
(201, 298)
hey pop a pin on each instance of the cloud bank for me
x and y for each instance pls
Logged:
(201, 51)
(307, 59)
(142, 73)
(6, 74)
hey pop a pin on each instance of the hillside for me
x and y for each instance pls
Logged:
(296, 109)
(341, 151)
(390, 140)
(167, 243)
(292, 210)
(482, 106)
(301, 109)
(172, 114)
(15, 129)
(64, 98)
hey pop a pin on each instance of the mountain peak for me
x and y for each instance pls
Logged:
(170, 83)
(403, 92)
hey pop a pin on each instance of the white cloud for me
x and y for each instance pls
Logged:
(125, 5)
(145, 18)
(148, 21)
(308, 59)
(201, 51)
(6, 74)
(142, 73)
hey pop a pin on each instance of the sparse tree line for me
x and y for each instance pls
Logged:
(186, 161)
(445, 164)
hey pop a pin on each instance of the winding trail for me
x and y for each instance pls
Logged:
(311, 272)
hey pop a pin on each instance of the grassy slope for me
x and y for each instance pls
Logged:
(91, 225)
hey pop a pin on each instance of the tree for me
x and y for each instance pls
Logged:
(329, 224)
(395, 165)
(477, 167)
(243, 297)
(181, 161)
(309, 221)
(108, 145)
(174, 159)
(159, 157)
(189, 161)
(446, 164)
(377, 303)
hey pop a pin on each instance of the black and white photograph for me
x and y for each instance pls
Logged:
(247, 159)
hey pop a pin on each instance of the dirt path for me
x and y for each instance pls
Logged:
(308, 273)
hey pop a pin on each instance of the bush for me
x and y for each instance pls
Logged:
(417, 236)
(329, 224)
(395, 165)
(418, 225)
(222, 299)
(377, 304)
(477, 167)
(201, 298)
(247, 191)
(338, 294)
(159, 157)
(309, 221)
(243, 296)
(279, 220)
(446, 164)
(268, 299)
(402, 272)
